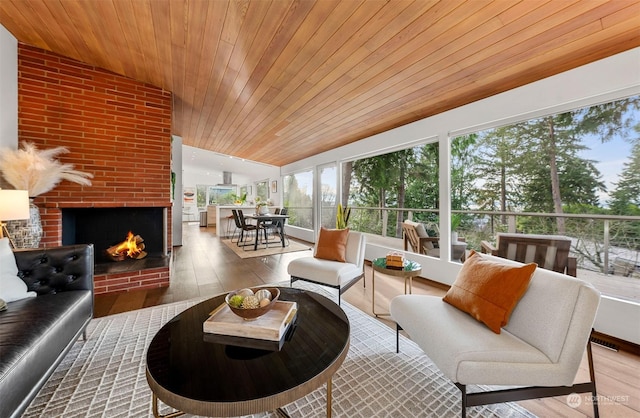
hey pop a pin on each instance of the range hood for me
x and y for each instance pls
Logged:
(226, 179)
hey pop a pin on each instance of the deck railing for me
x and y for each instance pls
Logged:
(604, 243)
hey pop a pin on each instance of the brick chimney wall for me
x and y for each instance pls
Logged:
(116, 128)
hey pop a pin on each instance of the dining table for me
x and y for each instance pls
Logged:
(263, 219)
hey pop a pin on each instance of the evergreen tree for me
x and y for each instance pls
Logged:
(625, 199)
(423, 183)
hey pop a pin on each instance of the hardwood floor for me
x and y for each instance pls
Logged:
(204, 266)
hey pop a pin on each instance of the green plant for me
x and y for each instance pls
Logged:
(342, 216)
(456, 218)
(173, 185)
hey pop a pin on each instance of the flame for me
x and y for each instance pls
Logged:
(129, 246)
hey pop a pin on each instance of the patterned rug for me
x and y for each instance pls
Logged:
(275, 248)
(105, 376)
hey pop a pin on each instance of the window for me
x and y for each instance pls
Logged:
(298, 197)
(262, 190)
(328, 183)
(388, 189)
(580, 162)
(221, 195)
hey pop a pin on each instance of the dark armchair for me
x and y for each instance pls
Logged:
(547, 251)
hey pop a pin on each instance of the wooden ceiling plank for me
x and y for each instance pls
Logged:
(107, 25)
(379, 23)
(41, 20)
(252, 72)
(196, 18)
(622, 15)
(404, 29)
(324, 50)
(500, 75)
(534, 40)
(586, 49)
(591, 42)
(145, 31)
(331, 79)
(313, 33)
(234, 19)
(397, 64)
(243, 52)
(417, 75)
(134, 47)
(356, 31)
(342, 27)
(178, 35)
(19, 25)
(209, 67)
(519, 10)
(267, 69)
(161, 20)
(307, 120)
(441, 53)
(302, 64)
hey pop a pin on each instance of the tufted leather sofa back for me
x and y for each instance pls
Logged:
(56, 269)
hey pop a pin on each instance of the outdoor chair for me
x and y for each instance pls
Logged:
(421, 243)
(547, 251)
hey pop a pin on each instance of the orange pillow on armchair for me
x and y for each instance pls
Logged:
(332, 244)
(488, 290)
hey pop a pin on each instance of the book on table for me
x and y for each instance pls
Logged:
(267, 332)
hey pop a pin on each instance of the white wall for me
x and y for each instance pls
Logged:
(8, 90)
(176, 213)
(598, 82)
(205, 167)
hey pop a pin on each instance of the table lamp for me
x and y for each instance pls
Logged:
(14, 205)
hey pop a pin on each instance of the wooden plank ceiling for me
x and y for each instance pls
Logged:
(277, 81)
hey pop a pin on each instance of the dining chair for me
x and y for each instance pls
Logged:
(243, 226)
(275, 227)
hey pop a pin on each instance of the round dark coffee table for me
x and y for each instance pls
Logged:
(203, 378)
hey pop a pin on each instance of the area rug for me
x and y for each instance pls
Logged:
(275, 248)
(105, 376)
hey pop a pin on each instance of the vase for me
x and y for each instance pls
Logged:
(27, 233)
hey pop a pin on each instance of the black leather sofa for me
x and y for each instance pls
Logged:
(36, 333)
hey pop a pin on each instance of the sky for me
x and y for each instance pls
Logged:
(609, 159)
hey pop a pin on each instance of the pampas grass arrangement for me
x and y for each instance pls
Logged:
(38, 171)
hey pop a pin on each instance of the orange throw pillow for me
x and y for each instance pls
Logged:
(488, 290)
(332, 244)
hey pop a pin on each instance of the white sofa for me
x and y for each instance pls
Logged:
(541, 346)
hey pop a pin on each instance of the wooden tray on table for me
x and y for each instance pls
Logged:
(267, 332)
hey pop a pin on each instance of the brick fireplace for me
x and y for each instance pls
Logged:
(116, 128)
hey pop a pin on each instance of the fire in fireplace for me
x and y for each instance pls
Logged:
(132, 247)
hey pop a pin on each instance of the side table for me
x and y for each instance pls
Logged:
(408, 272)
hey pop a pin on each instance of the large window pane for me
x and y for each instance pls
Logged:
(582, 164)
(388, 189)
(298, 197)
(262, 190)
(328, 182)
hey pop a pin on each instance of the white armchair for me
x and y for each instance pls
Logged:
(335, 274)
(539, 350)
